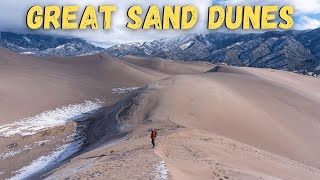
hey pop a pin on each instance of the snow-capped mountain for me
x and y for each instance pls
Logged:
(44, 45)
(287, 50)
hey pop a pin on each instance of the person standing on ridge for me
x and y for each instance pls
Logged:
(153, 137)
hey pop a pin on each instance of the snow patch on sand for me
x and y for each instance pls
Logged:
(161, 171)
(44, 161)
(57, 156)
(1, 173)
(57, 117)
(10, 154)
(123, 90)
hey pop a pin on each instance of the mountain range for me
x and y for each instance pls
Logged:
(44, 45)
(297, 51)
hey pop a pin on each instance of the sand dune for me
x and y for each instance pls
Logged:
(35, 85)
(214, 122)
(227, 123)
(44, 94)
(243, 107)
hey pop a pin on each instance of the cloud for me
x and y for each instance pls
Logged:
(306, 22)
(13, 17)
(304, 10)
(307, 7)
(300, 6)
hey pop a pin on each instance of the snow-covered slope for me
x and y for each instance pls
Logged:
(43, 45)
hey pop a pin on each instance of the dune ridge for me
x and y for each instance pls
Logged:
(226, 122)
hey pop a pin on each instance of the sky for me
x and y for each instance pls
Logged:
(13, 17)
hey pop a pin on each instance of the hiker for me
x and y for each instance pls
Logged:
(153, 137)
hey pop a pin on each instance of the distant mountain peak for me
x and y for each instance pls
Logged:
(45, 45)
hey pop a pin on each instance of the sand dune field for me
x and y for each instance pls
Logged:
(90, 118)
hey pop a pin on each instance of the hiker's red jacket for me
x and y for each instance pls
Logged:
(153, 134)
